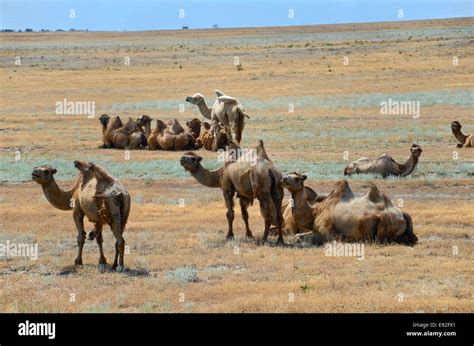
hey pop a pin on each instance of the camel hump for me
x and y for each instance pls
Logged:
(261, 152)
(373, 194)
(218, 93)
(101, 174)
(227, 99)
(343, 190)
(129, 127)
(176, 126)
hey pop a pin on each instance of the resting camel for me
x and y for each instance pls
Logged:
(341, 216)
(95, 194)
(226, 110)
(116, 135)
(164, 139)
(384, 165)
(465, 141)
(194, 127)
(248, 181)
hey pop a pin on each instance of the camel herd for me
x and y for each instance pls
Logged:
(313, 219)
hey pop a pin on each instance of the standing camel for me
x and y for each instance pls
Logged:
(248, 180)
(385, 165)
(95, 194)
(226, 110)
(465, 141)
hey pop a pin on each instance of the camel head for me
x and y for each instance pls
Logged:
(190, 161)
(104, 119)
(195, 99)
(194, 124)
(416, 150)
(293, 181)
(456, 126)
(143, 120)
(82, 166)
(43, 174)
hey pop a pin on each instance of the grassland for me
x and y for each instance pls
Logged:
(177, 258)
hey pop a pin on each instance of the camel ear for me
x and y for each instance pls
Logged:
(53, 171)
(304, 177)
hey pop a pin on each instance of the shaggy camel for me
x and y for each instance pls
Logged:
(247, 180)
(385, 165)
(116, 135)
(465, 141)
(164, 139)
(194, 127)
(341, 216)
(226, 111)
(97, 195)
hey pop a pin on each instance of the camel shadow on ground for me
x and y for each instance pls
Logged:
(132, 272)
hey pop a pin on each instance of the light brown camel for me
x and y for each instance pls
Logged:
(465, 141)
(119, 136)
(341, 216)
(385, 165)
(289, 224)
(95, 194)
(226, 110)
(247, 180)
(163, 138)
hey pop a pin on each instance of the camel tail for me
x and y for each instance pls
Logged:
(124, 209)
(409, 234)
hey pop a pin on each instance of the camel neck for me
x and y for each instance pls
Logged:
(58, 198)
(208, 178)
(408, 167)
(301, 210)
(461, 137)
(204, 109)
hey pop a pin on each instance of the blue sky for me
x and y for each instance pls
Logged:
(118, 15)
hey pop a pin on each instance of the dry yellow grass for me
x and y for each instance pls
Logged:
(175, 246)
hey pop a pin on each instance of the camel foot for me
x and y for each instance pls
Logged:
(281, 242)
(78, 261)
(102, 260)
(229, 237)
(459, 146)
(102, 267)
(249, 235)
(119, 269)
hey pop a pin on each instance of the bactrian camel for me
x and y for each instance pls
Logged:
(95, 194)
(465, 141)
(343, 217)
(385, 165)
(248, 180)
(117, 135)
(226, 110)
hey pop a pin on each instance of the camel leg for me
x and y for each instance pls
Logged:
(267, 215)
(119, 246)
(245, 215)
(277, 199)
(100, 240)
(229, 202)
(78, 216)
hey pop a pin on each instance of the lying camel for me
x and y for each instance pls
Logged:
(117, 135)
(247, 180)
(194, 127)
(385, 165)
(95, 194)
(465, 141)
(226, 110)
(341, 216)
(164, 139)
